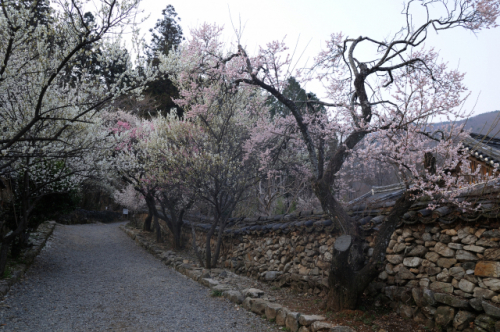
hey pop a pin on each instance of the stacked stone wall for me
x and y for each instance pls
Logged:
(444, 275)
(442, 272)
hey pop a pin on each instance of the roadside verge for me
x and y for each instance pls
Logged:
(220, 283)
(16, 268)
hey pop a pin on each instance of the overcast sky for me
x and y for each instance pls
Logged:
(313, 21)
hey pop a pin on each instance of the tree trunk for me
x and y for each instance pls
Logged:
(157, 229)
(177, 235)
(20, 242)
(219, 242)
(195, 246)
(176, 226)
(344, 290)
(349, 276)
(151, 212)
(147, 223)
(3, 256)
(341, 220)
(347, 284)
(208, 254)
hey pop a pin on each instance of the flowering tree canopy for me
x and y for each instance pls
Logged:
(50, 93)
(45, 90)
(379, 110)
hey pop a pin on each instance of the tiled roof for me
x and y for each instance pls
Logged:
(484, 148)
(370, 209)
(369, 213)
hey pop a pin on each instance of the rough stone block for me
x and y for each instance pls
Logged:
(493, 284)
(492, 254)
(233, 296)
(463, 255)
(291, 321)
(488, 243)
(483, 293)
(491, 309)
(457, 272)
(451, 300)
(193, 274)
(272, 275)
(494, 233)
(444, 250)
(429, 312)
(418, 296)
(444, 276)
(469, 239)
(432, 256)
(474, 248)
(412, 261)
(253, 292)
(444, 315)
(462, 319)
(247, 303)
(485, 322)
(428, 296)
(418, 251)
(476, 304)
(394, 259)
(272, 310)
(318, 326)
(307, 320)
(441, 287)
(487, 269)
(281, 316)
(404, 274)
(466, 286)
(455, 246)
(209, 282)
(221, 288)
(259, 306)
(432, 270)
(446, 262)
(406, 311)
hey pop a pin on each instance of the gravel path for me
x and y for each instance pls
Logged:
(94, 278)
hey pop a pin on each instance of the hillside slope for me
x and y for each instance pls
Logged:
(486, 123)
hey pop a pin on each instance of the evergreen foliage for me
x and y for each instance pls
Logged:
(166, 36)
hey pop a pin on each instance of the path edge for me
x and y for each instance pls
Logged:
(272, 311)
(38, 239)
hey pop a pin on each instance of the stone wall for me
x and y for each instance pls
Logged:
(442, 267)
(447, 275)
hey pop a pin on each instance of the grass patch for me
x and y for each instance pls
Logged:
(216, 293)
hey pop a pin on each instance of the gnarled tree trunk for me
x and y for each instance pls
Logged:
(350, 273)
(157, 229)
(219, 243)
(151, 212)
(208, 253)
(177, 233)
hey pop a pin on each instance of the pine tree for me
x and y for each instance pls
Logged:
(166, 36)
(295, 92)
